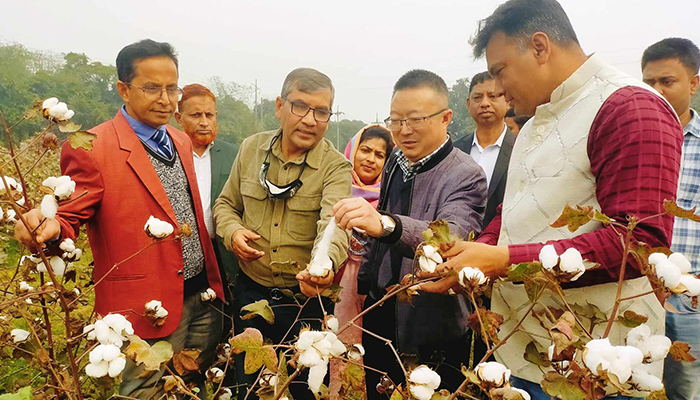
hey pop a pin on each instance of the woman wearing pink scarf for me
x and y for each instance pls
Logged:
(367, 151)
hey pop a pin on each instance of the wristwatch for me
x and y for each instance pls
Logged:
(388, 225)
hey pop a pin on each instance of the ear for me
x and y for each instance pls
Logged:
(694, 84)
(177, 118)
(447, 117)
(279, 102)
(123, 90)
(468, 103)
(541, 46)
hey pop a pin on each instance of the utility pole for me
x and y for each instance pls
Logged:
(376, 118)
(337, 126)
(255, 108)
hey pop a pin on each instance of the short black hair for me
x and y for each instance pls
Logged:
(381, 133)
(420, 78)
(481, 77)
(147, 48)
(520, 19)
(683, 49)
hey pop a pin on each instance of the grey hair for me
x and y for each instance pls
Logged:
(307, 80)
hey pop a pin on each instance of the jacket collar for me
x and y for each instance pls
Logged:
(315, 154)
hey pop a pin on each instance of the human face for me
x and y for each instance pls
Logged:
(519, 74)
(416, 143)
(198, 119)
(300, 134)
(369, 159)
(510, 122)
(486, 105)
(674, 81)
(150, 72)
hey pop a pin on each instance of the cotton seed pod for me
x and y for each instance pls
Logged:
(549, 257)
(493, 373)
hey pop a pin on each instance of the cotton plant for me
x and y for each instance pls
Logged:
(208, 295)
(423, 382)
(61, 188)
(106, 358)
(674, 272)
(430, 259)
(155, 312)
(314, 350)
(157, 228)
(570, 264)
(56, 111)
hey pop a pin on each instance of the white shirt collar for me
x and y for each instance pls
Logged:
(205, 154)
(498, 143)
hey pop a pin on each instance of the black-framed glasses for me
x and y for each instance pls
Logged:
(414, 123)
(301, 110)
(153, 93)
(274, 191)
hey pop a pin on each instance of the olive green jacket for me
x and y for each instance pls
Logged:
(289, 228)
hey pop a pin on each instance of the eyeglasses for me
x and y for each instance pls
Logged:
(413, 123)
(153, 93)
(274, 191)
(301, 110)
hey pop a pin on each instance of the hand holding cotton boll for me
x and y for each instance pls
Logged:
(430, 259)
(62, 187)
(158, 229)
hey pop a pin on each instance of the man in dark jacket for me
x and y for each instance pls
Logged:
(425, 180)
(492, 142)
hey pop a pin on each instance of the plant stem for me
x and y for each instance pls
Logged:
(388, 343)
(487, 340)
(625, 253)
(287, 383)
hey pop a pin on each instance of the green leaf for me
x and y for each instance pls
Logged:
(591, 312)
(534, 356)
(631, 319)
(23, 394)
(469, 374)
(291, 267)
(558, 386)
(250, 341)
(672, 208)
(259, 308)
(397, 395)
(574, 218)
(69, 127)
(81, 139)
(519, 272)
(332, 292)
(150, 356)
(600, 217)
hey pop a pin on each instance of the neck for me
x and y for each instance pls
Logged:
(199, 149)
(685, 118)
(289, 151)
(569, 61)
(488, 135)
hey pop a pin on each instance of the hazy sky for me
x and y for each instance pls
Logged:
(364, 46)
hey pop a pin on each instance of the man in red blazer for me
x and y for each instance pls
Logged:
(141, 167)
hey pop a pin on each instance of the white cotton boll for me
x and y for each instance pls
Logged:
(110, 352)
(356, 352)
(526, 395)
(69, 114)
(205, 296)
(421, 392)
(432, 254)
(332, 324)
(572, 262)
(320, 268)
(425, 376)
(692, 285)
(316, 375)
(11, 182)
(321, 262)
(116, 366)
(655, 348)
(58, 266)
(90, 331)
(338, 349)
(638, 335)
(19, 335)
(97, 354)
(25, 287)
(50, 102)
(308, 338)
(11, 216)
(19, 202)
(656, 258)
(426, 264)
(157, 228)
(632, 355)
(64, 191)
(116, 322)
(644, 380)
(97, 370)
(669, 273)
(49, 207)
(226, 394)
(67, 245)
(621, 369)
(59, 110)
(211, 293)
(474, 275)
(595, 355)
(681, 262)
(323, 346)
(310, 357)
(161, 313)
(102, 332)
(548, 257)
(40, 267)
(493, 372)
(153, 305)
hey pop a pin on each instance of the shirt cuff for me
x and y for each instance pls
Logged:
(528, 252)
(394, 236)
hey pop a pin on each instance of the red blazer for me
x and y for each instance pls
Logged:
(123, 190)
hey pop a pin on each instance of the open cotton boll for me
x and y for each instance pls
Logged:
(594, 354)
(97, 370)
(316, 375)
(692, 285)
(322, 263)
(430, 259)
(356, 352)
(110, 352)
(638, 334)
(572, 262)
(50, 102)
(310, 357)
(308, 338)
(157, 228)
(10, 216)
(118, 323)
(332, 324)
(473, 275)
(64, 191)
(681, 262)
(421, 392)
(11, 182)
(493, 372)
(644, 380)
(52, 182)
(161, 313)
(58, 266)
(425, 376)
(549, 257)
(67, 245)
(116, 366)
(69, 114)
(669, 273)
(655, 258)
(621, 369)
(49, 206)
(59, 110)
(338, 348)
(19, 335)
(25, 287)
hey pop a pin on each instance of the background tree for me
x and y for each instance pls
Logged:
(462, 122)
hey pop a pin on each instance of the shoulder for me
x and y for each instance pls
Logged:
(226, 147)
(464, 143)
(257, 139)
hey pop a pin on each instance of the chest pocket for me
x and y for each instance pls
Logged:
(304, 213)
(255, 204)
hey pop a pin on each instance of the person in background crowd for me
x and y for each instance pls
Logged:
(368, 151)
(595, 135)
(141, 167)
(515, 123)
(426, 180)
(491, 143)
(275, 207)
(212, 162)
(671, 67)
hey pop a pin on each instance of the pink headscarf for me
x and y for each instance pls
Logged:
(368, 192)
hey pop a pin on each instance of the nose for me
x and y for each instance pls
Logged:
(659, 88)
(498, 87)
(404, 125)
(204, 122)
(309, 119)
(163, 98)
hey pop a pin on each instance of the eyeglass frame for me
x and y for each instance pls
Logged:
(404, 121)
(288, 190)
(330, 113)
(179, 91)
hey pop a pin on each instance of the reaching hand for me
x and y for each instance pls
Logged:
(311, 286)
(239, 243)
(48, 229)
(356, 212)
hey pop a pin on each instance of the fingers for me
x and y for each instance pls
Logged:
(343, 207)
(250, 235)
(352, 219)
(457, 249)
(441, 286)
(49, 230)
